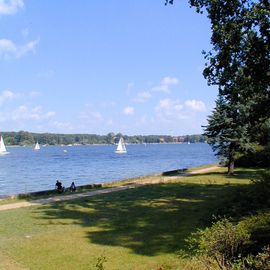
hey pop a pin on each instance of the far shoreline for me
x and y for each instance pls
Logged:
(104, 144)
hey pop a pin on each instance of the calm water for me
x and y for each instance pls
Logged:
(25, 170)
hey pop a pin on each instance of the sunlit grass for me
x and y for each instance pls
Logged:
(142, 228)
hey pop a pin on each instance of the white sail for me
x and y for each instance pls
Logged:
(37, 147)
(3, 149)
(121, 148)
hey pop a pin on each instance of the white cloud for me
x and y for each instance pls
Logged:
(168, 109)
(161, 88)
(6, 96)
(90, 120)
(62, 126)
(142, 96)
(8, 7)
(169, 81)
(25, 113)
(165, 84)
(129, 88)
(128, 111)
(171, 110)
(110, 122)
(106, 104)
(141, 121)
(34, 94)
(8, 49)
(91, 117)
(50, 114)
(196, 105)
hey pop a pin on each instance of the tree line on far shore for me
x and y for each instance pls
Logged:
(28, 138)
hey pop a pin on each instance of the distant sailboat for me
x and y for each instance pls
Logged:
(121, 148)
(37, 147)
(3, 150)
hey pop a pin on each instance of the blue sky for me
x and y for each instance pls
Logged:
(127, 66)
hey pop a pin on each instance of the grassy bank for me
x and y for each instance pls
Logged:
(86, 188)
(143, 228)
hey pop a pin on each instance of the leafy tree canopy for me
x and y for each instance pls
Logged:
(239, 64)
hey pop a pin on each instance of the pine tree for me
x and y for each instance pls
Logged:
(239, 64)
(226, 132)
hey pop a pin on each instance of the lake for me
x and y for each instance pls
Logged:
(26, 170)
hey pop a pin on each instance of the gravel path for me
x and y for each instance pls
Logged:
(205, 170)
(96, 192)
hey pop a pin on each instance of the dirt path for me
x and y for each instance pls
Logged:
(205, 170)
(6, 262)
(101, 191)
(165, 179)
(63, 198)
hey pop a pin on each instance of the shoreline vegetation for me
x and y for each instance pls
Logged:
(150, 179)
(145, 227)
(25, 138)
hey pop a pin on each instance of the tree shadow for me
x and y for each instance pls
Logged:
(148, 220)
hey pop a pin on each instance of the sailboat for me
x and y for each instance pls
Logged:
(37, 147)
(3, 150)
(121, 148)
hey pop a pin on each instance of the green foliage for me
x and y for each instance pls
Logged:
(226, 133)
(23, 138)
(261, 190)
(258, 158)
(239, 64)
(27, 138)
(235, 246)
(169, 2)
(249, 199)
(223, 242)
(244, 243)
(260, 261)
(258, 226)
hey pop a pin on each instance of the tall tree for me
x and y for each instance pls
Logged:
(226, 131)
(239, 64)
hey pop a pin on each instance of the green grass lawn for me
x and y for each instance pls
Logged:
(143, 228)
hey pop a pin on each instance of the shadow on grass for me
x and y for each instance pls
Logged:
(149, 220)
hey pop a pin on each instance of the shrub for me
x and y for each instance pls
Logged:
(222, 242)
(241, 246)
(258, 226)
(259, 158)
(246, 200)
(258, 262)
(261, 191)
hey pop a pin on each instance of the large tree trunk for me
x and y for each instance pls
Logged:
(231, 160)
(231, 167)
